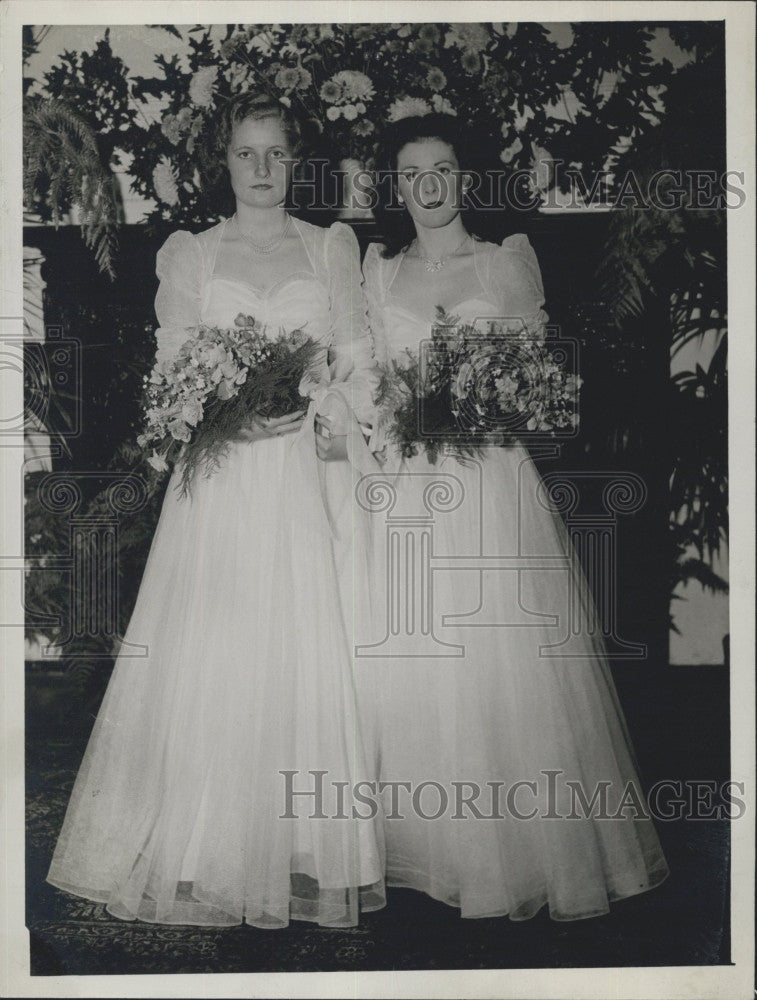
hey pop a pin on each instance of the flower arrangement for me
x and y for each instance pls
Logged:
(538, 96)
(471, 388)
(198, 402)
(335, 75)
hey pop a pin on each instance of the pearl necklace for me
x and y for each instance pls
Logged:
(436, 265)
(264, 247)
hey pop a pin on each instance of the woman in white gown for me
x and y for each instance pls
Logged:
(492, 706)
(176, 814)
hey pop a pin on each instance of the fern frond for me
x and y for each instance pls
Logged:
(60, 149)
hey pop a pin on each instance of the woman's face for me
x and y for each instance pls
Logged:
(260, 162)
(430, 182)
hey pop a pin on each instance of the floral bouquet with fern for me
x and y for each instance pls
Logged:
(471, 388)
(196, 404)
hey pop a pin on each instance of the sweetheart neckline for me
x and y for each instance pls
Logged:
(423, 319)
(266, 292)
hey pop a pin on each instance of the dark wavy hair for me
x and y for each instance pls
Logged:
(473, 150)
(302, 134)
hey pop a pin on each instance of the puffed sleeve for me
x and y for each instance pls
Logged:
(515, 280)
(177, 303)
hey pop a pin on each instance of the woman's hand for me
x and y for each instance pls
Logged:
(329, 447)
(267, 427)
(276, 426)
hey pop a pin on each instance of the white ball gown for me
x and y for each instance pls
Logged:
(471, 695)
(175, 816)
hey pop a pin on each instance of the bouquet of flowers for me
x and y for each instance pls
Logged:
(197, 403)
(471, 388)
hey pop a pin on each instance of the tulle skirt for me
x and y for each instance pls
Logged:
(232, 691)
(491, 740)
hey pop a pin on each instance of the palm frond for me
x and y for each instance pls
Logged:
(692, 568)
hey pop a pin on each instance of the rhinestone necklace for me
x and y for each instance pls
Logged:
(264, 247)
(437, 264)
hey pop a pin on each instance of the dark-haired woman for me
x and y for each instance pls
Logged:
(486, 735)
(234, 682)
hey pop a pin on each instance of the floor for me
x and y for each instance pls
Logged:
(679, 720)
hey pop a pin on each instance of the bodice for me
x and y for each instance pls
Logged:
(500, 282)
(405, 329)
(299, 301)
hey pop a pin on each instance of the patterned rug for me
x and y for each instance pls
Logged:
(682, 922)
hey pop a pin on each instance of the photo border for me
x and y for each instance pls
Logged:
(737, 980)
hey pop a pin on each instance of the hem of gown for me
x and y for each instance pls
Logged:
(121, 913)
(524, 911)
(421, 882)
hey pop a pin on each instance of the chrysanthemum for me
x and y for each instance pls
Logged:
(471, 62)
(333, 113)
(287, 78)
(350, 112)
(357, 86)
(201, 86)
(407, 107)
(331, 92)
(429, 33)
(435, 79)
(305, 78)
(164, 182)
(469, 37)
(364, 127)
(172, 129)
